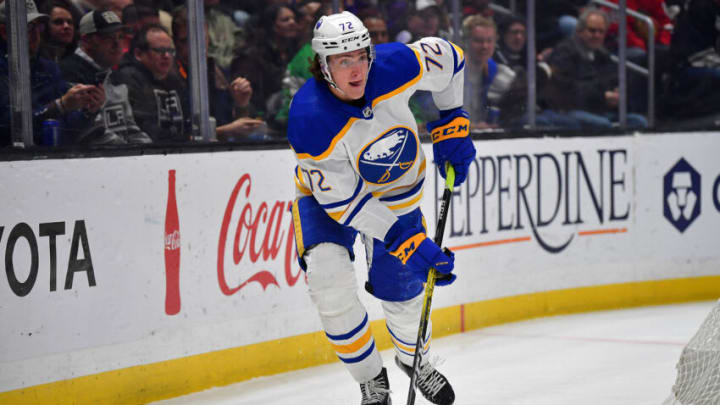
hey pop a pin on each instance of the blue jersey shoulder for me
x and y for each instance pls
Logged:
(395, 65)
(315, 119)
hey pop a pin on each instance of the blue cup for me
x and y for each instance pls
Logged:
(51, 133)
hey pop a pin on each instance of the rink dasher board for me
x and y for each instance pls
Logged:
(582, 223)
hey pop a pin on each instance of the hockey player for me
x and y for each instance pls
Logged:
(361, 170)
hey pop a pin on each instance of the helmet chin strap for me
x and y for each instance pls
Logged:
(328, 76)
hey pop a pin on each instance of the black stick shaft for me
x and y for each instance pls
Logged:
(430, 287)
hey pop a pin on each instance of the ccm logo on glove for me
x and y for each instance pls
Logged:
(457, 128)
(407, 248)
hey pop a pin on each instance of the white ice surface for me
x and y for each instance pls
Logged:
(623, 357)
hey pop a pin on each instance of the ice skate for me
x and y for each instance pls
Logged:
(433, 385)
(377, 390)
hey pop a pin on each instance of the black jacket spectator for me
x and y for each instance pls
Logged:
(155, 93)
(158, 105)
(580, 77)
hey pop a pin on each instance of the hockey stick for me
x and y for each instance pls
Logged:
(430, 284)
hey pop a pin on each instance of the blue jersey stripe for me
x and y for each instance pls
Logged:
(351, 333)
(346, 201)
(406, 194)
(459, 68)
(360, 357)
(400, 340)
(357, 209)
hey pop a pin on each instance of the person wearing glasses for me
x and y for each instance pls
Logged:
(98, 52)
(156, 94)
(52, 97)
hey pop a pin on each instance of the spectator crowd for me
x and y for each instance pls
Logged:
(117, 71)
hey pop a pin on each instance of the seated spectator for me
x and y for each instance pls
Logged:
(513, 104)
(485, 80)
(229, 101)
(511, 50)
(226, 38)
(584, 78)
(265, 62)
(156, 96)
(59, 36)
(693, 88)
(52, 97)
(99, 51)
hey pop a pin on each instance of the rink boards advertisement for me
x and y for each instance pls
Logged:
(114, 263)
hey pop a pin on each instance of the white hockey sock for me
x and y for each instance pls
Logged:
(402, 319)
(333, 290)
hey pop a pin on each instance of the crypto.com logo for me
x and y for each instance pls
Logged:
(681, 195)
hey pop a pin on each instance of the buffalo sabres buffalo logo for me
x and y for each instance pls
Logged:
(389, 156)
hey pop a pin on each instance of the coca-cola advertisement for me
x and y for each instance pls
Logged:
(260, 237)
(172, 250)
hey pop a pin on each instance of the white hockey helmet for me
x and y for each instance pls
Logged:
(339, 33)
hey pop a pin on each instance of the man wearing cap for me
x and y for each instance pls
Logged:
(52, 97)
(99, 50)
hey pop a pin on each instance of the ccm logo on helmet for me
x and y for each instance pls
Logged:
(355, 38)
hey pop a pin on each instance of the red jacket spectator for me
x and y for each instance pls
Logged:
(637, 30)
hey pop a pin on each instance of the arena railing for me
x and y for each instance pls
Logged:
(21, 125)
(650, 51)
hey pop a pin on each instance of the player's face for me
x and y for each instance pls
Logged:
(349, 71)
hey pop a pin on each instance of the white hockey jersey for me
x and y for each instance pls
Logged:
(365, 165)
